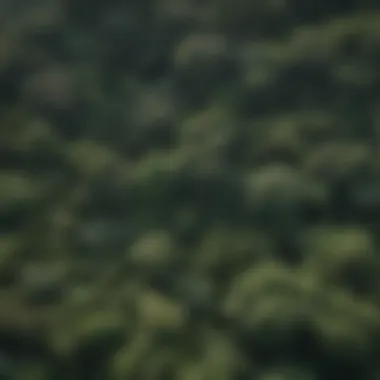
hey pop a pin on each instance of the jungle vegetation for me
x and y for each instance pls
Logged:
(189, 190)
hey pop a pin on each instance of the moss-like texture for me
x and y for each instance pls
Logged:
(189, 190)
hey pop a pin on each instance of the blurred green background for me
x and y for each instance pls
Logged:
(189, 190)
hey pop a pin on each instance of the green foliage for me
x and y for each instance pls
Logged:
(189, 190)
(345, 257)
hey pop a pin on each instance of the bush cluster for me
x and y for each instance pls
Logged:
(189, 190)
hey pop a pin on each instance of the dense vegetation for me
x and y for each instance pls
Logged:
(189, 190)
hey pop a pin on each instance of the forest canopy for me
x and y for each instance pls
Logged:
(189, 190)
